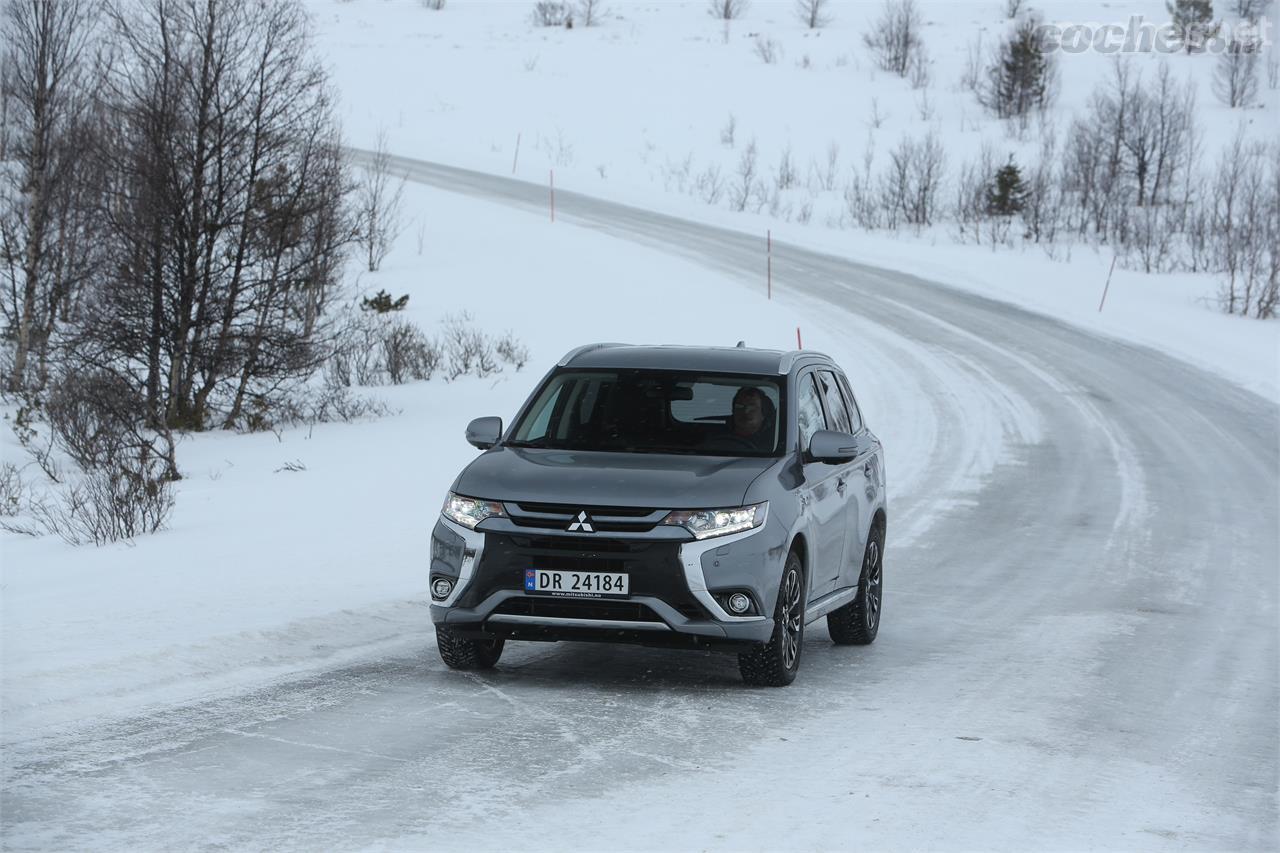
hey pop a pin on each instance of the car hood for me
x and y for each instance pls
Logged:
(591, 478)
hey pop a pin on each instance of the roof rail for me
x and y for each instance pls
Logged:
(585, 348)
(790, 358)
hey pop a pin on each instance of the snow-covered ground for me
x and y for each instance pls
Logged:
(268, 574)
(635, 109)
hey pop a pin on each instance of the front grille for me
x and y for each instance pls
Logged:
(603, 519)
(653, 566)
(561, 608)
(568, 509)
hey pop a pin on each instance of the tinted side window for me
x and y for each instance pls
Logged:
(808, 410)
(855, 416)
(835, 402)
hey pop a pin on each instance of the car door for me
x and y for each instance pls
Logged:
(865, 482)
(848, 486)
(820, 497)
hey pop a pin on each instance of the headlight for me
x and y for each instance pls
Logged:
(470, 511)
(705, 523)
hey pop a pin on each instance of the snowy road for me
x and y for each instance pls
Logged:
(1083, 653)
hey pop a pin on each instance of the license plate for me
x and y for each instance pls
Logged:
(576, 584)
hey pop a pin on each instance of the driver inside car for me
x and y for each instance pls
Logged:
(753, 418)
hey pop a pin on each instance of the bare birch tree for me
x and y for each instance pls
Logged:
(45, 44)
(379, 203)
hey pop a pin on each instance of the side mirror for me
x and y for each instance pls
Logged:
(832, 446)
(484, 433)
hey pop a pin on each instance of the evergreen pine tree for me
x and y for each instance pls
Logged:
(1021, 74)
(1007, 193)
(382, 302)
(1192, 22)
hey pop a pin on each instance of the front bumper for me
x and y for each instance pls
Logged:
(674, 580)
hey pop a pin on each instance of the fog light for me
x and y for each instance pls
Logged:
(441, 587)
(739, 603)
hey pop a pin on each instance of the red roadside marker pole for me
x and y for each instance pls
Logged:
(516, 158)
(1107, 287)
(799, 343)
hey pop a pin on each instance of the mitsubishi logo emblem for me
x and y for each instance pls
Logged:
(581, 524)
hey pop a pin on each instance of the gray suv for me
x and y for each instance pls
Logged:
(699, 497)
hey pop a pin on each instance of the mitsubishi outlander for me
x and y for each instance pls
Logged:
(698, 497)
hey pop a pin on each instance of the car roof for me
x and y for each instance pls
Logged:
(739, 359)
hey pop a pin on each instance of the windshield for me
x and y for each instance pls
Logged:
(655, 411)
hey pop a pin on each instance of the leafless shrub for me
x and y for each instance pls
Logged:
(407, 353)
(466, 348)
(294, 467)
(1151, 241)
(1244, 228)
(877, 118)
(859, 197)
(827, 175)
(814, 14)
(745, 188)
(861, 207)
(971, 76)
(1273, 70)
(1235, 77)
(919, 70)
(909, 187)
(131, 497)
(379, 202)
(924, 106)
(552, 13)
(895, 37)
(377, 349)
(727, 10)
(336, 403)
(676, 175)
(970, 209)
(434, 5)
(355, 353)
(92, 418)
(769, 50)
(590, 12)
(559, 150)
(1013, 8)
(512, 350)
(13, 491)
(710, 184)
(1043, 211)
(27, 429)
(728, 131)
(787, 176)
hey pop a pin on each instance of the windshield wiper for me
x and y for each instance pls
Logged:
(537, 442)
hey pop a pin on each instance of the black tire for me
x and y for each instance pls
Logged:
(858, 622)
(465, 653)
(775, 663)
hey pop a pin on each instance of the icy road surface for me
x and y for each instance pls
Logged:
(1082, 655)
